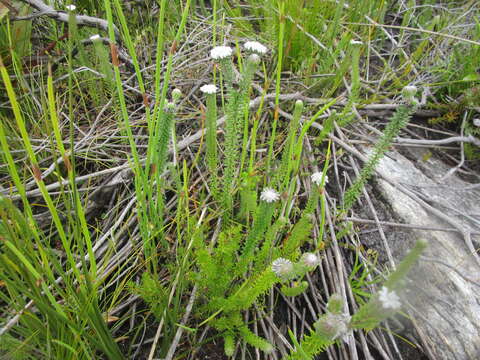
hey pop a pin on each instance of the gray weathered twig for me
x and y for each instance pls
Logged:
(82, 20)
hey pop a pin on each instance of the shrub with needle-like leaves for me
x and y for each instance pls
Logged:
(336, 323)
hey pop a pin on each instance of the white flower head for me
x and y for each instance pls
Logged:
(389, 299)
(310, 259)
(476, 122)
(221, 52)
(333, 326)
(317, 178)
(254, 59)
(410, 90)
(176, 94)
(71, 7)
(282, 267)
(208, 89)
(269, 195)
(256, 47)
(95, 37)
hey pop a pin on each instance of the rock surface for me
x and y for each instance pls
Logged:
(444, 291)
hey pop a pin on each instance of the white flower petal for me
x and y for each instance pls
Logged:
(254, 59)
(221, 52)
(208, 89)
(317, 178)
(389, 299)
(333, 326)
(410, 90)
(269, 195)
(255, 46)
(310, 259)
(71, 7)
(282, 267)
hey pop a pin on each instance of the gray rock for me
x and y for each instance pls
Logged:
(444, 289)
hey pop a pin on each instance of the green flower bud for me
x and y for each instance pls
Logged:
(409, 91)
(176, 94)
(298, 105)
(335, 304)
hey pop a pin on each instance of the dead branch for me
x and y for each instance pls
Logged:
(82, 20)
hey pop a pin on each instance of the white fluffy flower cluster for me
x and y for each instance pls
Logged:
(269, 195)
(409, 93)
(310, 259)
(255, 47)
(71, 7)
(221, 52)
(176, 95)
(410, 90)
(317, 178)
(333, 326)
(282, 267)
(254, 58)
(389, 299)
(208, 89)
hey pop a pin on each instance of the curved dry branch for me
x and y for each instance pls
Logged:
(82, 20)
